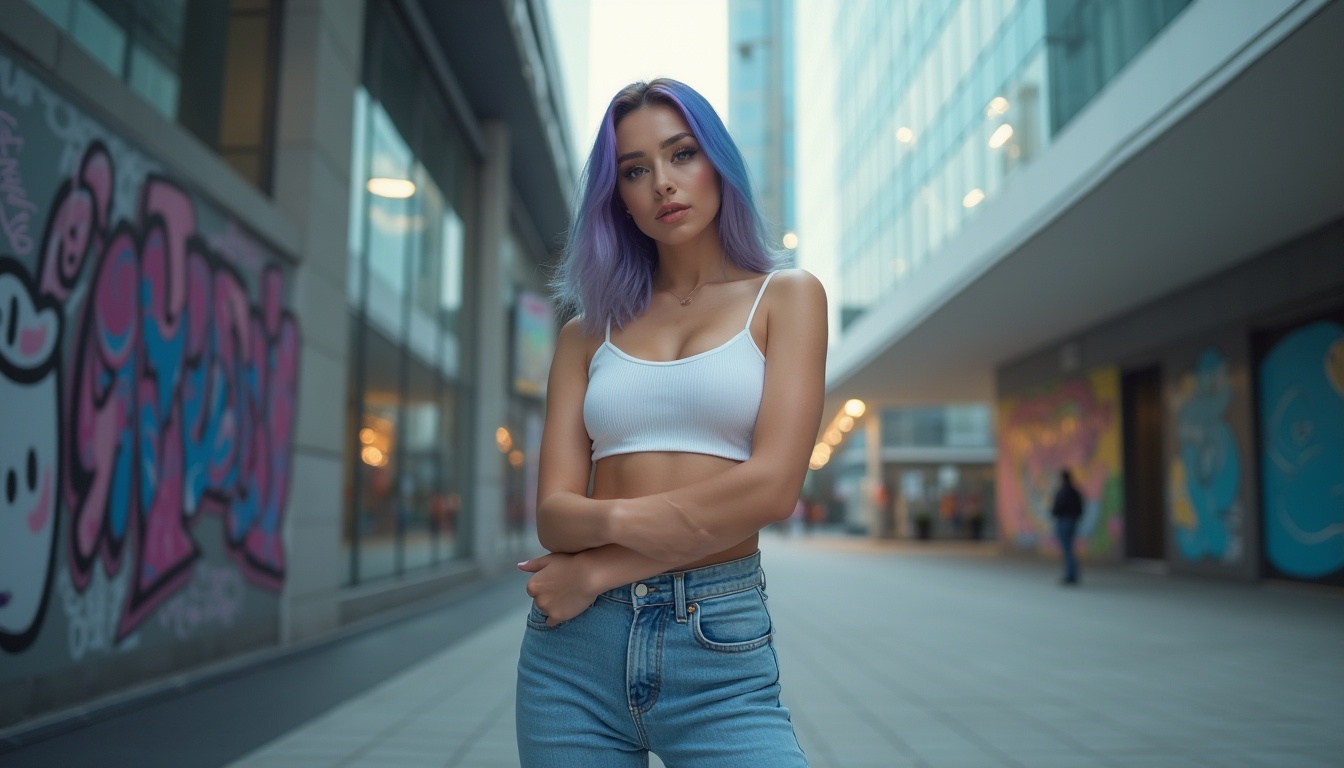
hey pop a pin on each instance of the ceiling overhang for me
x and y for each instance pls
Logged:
(500, 54)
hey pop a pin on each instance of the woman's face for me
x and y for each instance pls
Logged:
(665, 181)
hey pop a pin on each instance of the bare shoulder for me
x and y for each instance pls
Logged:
(573, 345)
(794, 306)
(798, 289)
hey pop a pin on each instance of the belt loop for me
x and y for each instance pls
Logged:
(679, 591)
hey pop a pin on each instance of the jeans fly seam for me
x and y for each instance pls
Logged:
(657, 687)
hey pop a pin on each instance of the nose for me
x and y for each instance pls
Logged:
(662, 182)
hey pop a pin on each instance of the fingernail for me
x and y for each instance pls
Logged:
(520, 565)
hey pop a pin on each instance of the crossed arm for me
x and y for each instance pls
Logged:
(598, 544)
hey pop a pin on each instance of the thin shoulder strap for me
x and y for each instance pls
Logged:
(608, 329)
(758, 298)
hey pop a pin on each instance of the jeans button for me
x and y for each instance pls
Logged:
(641, 590)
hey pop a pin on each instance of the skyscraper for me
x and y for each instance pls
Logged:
(760, 106)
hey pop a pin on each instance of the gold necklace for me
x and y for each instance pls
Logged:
(687, 300)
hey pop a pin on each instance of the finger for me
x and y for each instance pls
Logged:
(535, 564)
(532, 588)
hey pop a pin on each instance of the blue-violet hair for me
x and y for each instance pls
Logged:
(608, 265)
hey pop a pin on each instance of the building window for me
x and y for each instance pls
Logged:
(407, 426)
(209, 66)
(1091, 41)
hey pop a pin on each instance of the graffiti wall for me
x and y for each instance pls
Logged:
(148, 369)
(1074, 424)
(1301, 428)
(1210, 475)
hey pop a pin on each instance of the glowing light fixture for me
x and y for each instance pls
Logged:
(373, 457)
(973, 198)
(855, 408)
(790, 240)
(845, 423)
(515, 458)
(834, 436)
(397, 189)
(905, 135)
(503, 440)
(1000, 136)
(997, 106)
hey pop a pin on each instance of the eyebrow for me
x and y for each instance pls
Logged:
(666, 143)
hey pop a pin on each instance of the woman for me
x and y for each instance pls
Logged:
(689, 393)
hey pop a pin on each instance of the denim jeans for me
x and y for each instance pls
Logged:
(680, 664)
(1066, 529)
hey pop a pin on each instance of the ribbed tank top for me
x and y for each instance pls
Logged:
(706, 403)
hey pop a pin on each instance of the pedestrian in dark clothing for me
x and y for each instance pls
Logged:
(1068, 507)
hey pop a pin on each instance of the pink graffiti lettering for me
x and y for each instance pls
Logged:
(15, 207)
(182, 394)
(77, 222)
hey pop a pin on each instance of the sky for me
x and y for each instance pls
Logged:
(628, 40)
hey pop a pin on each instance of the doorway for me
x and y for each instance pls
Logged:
(1141, 396)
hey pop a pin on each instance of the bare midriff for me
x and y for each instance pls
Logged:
(629, 475)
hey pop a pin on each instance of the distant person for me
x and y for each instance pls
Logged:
(1066, 511)
(690, 388)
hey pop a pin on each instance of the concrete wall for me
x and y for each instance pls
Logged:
(319, 72)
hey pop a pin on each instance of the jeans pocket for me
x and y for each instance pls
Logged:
(732, 623)
(537, 620)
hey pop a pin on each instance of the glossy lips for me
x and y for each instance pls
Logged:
(672, 213)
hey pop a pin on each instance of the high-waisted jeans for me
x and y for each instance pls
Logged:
(680, 664)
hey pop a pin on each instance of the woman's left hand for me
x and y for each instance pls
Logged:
(560, 586)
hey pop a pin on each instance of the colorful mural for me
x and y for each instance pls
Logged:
(148, 371)
(1074, 424)
(1205, 475)
(1302, 451)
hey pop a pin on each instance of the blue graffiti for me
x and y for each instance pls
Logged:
(1208, 449)
(1302, 433)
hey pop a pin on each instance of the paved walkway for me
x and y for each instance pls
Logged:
(944, 657)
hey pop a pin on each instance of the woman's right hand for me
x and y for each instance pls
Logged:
(561, 586)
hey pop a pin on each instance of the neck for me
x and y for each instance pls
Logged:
(683, 267)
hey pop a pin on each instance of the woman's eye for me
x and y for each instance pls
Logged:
(684, 154)
(633, 172)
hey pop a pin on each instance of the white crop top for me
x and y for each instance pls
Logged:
(705, 403)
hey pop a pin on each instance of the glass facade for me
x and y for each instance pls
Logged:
(210, 66)
(760, 108)
(1090, 41)
(940, 101)
(408, 390)
(532, 344)
(950, 426)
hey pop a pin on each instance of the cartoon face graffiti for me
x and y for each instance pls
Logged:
(1302, 450)
(30, 330)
